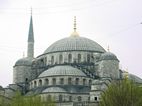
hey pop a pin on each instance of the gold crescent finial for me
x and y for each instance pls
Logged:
(74, 34)
(74, 24)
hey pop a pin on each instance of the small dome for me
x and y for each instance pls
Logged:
(62, 71)
(54, 89)
(108, 56)
(135, 78)
(24, 62)
(74, 43)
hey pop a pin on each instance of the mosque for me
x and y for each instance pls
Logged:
(74, 71)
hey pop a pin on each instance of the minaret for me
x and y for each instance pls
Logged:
(30, 51)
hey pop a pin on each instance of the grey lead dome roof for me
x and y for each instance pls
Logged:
(62, 70)
(24, 61)
(108, 56)
(74, 44)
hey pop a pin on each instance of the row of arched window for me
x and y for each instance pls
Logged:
(61, 82)
(79, 98)
(70, 58)
(61, 98)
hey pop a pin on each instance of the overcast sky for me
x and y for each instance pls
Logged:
(108, 22)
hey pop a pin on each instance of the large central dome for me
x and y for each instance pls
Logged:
(74, 43)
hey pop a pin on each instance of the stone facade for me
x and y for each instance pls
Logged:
(74, 71)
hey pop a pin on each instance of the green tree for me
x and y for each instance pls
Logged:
(49, 102)
(1, 101)
(19, 100)
(122, 93)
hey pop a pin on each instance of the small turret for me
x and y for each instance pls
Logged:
(109, 66)
(22, 71)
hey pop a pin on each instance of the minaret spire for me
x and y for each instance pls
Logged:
(30, 51)
(74, 34)
(31, 34)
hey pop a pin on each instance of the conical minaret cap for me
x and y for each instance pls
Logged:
(30, 49)
(31, 33)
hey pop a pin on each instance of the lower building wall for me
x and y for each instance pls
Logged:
(65, 104)
(85, 103)
(93, 104)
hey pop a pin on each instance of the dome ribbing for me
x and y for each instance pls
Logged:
(74, 44)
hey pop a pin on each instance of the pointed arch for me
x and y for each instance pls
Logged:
(46, 81)
(69, 81)
(79, 58)
(60, 59)
(52, 59)
(70, 58)
(88, 58)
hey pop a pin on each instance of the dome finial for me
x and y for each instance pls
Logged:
(108, 49)
(74, 24)
(74, 33)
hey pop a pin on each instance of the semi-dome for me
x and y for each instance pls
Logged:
(62, 71)
(54, 89)
(74, 43)
(24, 61)
(108, 56)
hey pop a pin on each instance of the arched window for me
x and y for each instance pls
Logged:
(79, 58)
(42, 62)
(90, 82)
(46, 81)
(88, 98)
(69, 58)
(77, 81)
(61, 81)
(79, 98)
(34, 83)
(88, 58)
(26, 80)
(52, 59)
(70, 98)
(60, 59)
(40, 82)
(95, 98)
(45, 60)
(69, 81)
(49, 97)
(60, 98)
(84, 81)
(92, 58)
(54, 81)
